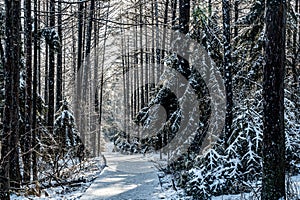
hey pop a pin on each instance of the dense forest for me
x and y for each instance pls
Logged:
(212, 86)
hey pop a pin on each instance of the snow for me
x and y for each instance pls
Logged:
(91, 169)
(132, 177)
(125, 177)
(234, 197)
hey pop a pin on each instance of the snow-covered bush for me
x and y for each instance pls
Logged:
(60, 151)
(292, 138)
(65, 131)
(236, 168)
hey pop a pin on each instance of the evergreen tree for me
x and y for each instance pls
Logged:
(65, 130)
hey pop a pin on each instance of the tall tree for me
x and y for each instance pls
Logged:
(102, 81)
(46, 92)
(26, 136)
(51, 78)
(273, 181)
(88, 69)
(34, 91)
(79, 65)
(95, 85)
(141, 54)
(164, 39)
(227, 68)
(59, 67)
(157, 41)
(10, 170)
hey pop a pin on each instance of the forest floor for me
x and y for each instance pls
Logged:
(125, 177)
(131, 177)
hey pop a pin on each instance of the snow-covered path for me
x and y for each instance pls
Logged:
(128, 177)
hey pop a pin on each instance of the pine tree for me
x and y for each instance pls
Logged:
(65, 130)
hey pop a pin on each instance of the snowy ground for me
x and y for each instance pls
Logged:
(131, 177)
(88, 172)
(169, 193)
(125, 177)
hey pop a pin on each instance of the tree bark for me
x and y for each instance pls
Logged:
(184, 16)
(141, 55)
(78, 71)
(59, 67)
(102, 83)
(35, 95)
(227, 65)
(10, 169)
(26, 137)
(236, 17)
(51, 78)
(157, 43)
(273, 180)
(95, 85)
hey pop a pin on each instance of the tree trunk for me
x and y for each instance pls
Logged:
(236, 17)
(227, 69)
(125, 88)
(296, 51)
(95, 86)
(102, 83)
(174, 7)
(152, 60)
(141, 55)
(10, 169)
(26, 137)
(165, 31)
(59, 67)
(129, 89)
(273, 181)
(46, 90)
(34, 97)
(184, 16)
(157, 43)
(147, 71)
(136, 72)
(51, 109)
(78, 71)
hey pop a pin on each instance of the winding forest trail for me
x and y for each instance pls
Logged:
(128, 177)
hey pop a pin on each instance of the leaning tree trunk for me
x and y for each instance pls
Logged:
(273, 181)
